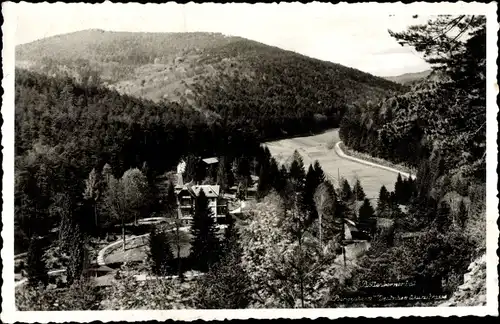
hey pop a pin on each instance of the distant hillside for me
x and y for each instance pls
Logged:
(222, 76)
(409, 78)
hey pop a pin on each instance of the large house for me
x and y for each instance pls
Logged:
(186, 198)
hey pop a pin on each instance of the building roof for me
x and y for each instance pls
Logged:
(210, 191)
(210, 160)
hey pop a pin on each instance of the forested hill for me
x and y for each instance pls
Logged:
(224, 77)
(410, 78)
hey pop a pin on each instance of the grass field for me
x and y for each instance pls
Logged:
(315, 148)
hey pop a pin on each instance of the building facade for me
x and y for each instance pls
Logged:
(186, 199)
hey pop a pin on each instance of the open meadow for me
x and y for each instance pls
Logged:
(316, 147)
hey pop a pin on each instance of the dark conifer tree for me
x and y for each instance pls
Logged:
(161, 257)
(462, 214)
(267, 154)
(205, 245)
(222, 175)
(265, 181)
(411, 186)
(366, 214)
(35, 264)
(202, 171)
(320, 174)
(358, 191)
(281, 180)
(436, 166)
(346, 191)
(171, 200)
(310, 185)
(225, 176)
(297, 173)
(77, 256)
(226, 285)
(243, 170)
(366, 210)
(190, 172)
(383, 201)
(230, 234)
(443, 217)
(399, 189)
(273, 173)
(424, 180)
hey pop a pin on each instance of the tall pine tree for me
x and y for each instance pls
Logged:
(171, 201)
(383, 203)
(35, 264)
(226, 285)
(274, 173)
(358, 191)
(243, 171)
(222, 178)
(92, 193)
(161, 257)
(346, 191)
(320, 174)
(205, 245)
(443, 217)
(462, 214)
(77, 256)
(399, 189)
(265, 181)
(281, 179)
(366, 214)
(310, 185)
(297, 173)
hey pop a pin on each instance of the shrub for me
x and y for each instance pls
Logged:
(82, 295)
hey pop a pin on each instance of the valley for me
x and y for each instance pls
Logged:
(226, 173)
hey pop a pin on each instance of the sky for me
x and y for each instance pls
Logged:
(336, 33)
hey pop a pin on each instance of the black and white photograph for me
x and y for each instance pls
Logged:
(259, 160)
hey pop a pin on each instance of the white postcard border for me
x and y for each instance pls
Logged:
(9, 314)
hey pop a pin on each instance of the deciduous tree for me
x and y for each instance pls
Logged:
(284, 271)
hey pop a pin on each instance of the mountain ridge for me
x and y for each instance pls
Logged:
(224, 76)
(409, 78)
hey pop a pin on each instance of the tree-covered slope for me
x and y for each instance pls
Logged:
(225, 77)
